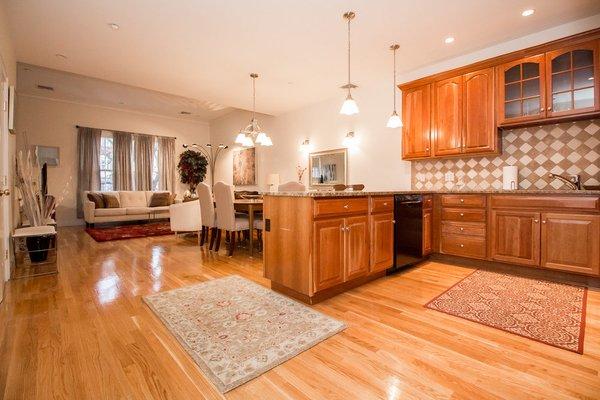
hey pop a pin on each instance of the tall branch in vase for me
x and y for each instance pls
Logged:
(211, 153)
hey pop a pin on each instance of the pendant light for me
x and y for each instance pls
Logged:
(394, 121)
(252, 134)
(349, 107)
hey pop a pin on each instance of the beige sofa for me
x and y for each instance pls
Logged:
(134, 206)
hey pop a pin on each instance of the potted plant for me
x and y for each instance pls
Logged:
(192, 169)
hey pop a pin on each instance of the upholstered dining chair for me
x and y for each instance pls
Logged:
(227, 220)
(291, 187)
(185, 217)
(258, 225)
(209, 215)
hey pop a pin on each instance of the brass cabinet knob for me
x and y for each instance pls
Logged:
(543, 222)
(542, 109)
(462, 229)
(462, 200)
(385, 204)
(346, 206)
(427, 149)
(549, 108)
(462, 245)
(536, 221)
(462, 215)
(5, 192)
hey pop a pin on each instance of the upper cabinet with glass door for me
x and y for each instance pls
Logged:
(571, 83)
(521, 94)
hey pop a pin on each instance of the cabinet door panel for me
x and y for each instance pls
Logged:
(416, 131)
(515, 237)
(521, 94)
(427, 232)
(570, 242)
(479, 132)
(572, 79)
(448, 117)
(357, 246)
(382, 241)
(328, 266)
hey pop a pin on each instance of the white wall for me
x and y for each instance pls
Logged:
(52, 123)
(376, 159)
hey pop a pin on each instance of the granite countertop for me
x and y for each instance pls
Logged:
(314, 193)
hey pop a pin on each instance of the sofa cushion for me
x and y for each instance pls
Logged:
(150, 193)
(96, 198)
(138, 210)
(109, 212)
(133, 199)
(110, 200)
(160, 199)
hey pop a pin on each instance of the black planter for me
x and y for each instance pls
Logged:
(37, 246)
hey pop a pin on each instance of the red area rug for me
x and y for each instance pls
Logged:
(129, 231)
(548, 312)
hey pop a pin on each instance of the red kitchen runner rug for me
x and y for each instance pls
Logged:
(548, 312)
(129, 231)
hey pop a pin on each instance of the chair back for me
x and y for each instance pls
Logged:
(225, 208)
(207, 205)
(291, 187)
(185, 217)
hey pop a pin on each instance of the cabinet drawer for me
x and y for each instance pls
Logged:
(463, 245)
(382, 204)
(340, 206)
(463, 228)
(469, 200)
(572, 202)
(463, 214)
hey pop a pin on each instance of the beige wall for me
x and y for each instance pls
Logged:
(52, 123)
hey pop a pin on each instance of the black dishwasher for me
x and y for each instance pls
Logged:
(408, 230)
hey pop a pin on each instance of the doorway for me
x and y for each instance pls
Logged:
(4, 185)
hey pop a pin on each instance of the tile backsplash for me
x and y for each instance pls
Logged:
(570, 148)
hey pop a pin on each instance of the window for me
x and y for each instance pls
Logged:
(155, 175)
(106, 162)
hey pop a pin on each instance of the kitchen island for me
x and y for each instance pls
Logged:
(319, 244)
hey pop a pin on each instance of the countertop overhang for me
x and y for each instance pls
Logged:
(323, 193)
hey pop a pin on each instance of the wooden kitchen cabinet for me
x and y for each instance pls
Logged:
(416, 130)
(479, 123)
(515, 237)
(357, 247)
(572, 80)
(571, 242)
(447, 117)
(521, 92)
(427, 232)
(329, 249)
(382, 241)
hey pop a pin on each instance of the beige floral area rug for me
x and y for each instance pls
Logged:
(548, 312)
(236, 330)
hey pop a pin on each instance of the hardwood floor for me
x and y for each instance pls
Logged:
(86, 334)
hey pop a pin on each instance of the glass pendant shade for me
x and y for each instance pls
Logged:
(260, 138)
(394, 121)
(239, 139)
(247, 142)
(267, 141)
(349, 107)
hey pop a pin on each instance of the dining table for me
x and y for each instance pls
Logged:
(250, 206)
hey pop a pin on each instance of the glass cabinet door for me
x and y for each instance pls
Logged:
(572, 76)
(521, 90)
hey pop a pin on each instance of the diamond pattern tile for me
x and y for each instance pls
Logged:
(567, 148)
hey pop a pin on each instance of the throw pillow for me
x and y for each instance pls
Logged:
(97, 199)
(160, 199)
(110, 200)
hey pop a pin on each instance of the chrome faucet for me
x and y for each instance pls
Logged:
(573, 183)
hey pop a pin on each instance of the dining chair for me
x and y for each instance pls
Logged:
(209, 216)
(291, 187)
(258, 225)
(185, 217)
(227, 219)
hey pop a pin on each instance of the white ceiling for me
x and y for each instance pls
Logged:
(82, 89)
(205, 49)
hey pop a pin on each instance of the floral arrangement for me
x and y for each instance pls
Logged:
(300, 172)
(192, 168)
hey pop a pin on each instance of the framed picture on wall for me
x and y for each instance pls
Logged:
(244, 167)
(49, 155)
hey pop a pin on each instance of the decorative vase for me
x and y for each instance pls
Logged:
(37, 247)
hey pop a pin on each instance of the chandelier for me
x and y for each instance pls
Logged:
(349, 107)
(394, 121)
(253, 134)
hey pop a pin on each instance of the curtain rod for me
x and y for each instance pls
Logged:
(133, 133)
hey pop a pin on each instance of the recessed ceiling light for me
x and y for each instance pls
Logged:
(113, 26)
(449, 40)
(528, 12)
(58, 55)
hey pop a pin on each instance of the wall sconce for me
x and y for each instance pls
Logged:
(306, 146)
(349, 140)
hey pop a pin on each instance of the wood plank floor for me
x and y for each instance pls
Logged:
(86, 334)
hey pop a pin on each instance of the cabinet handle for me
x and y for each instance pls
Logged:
(549, 109)
(385, 204)
(462, 200)
(462, 229)
(346, 206)
(462, 215)
(542, 109)
(543, 221)
(427, 149)
(462, 245)
(536, 221)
